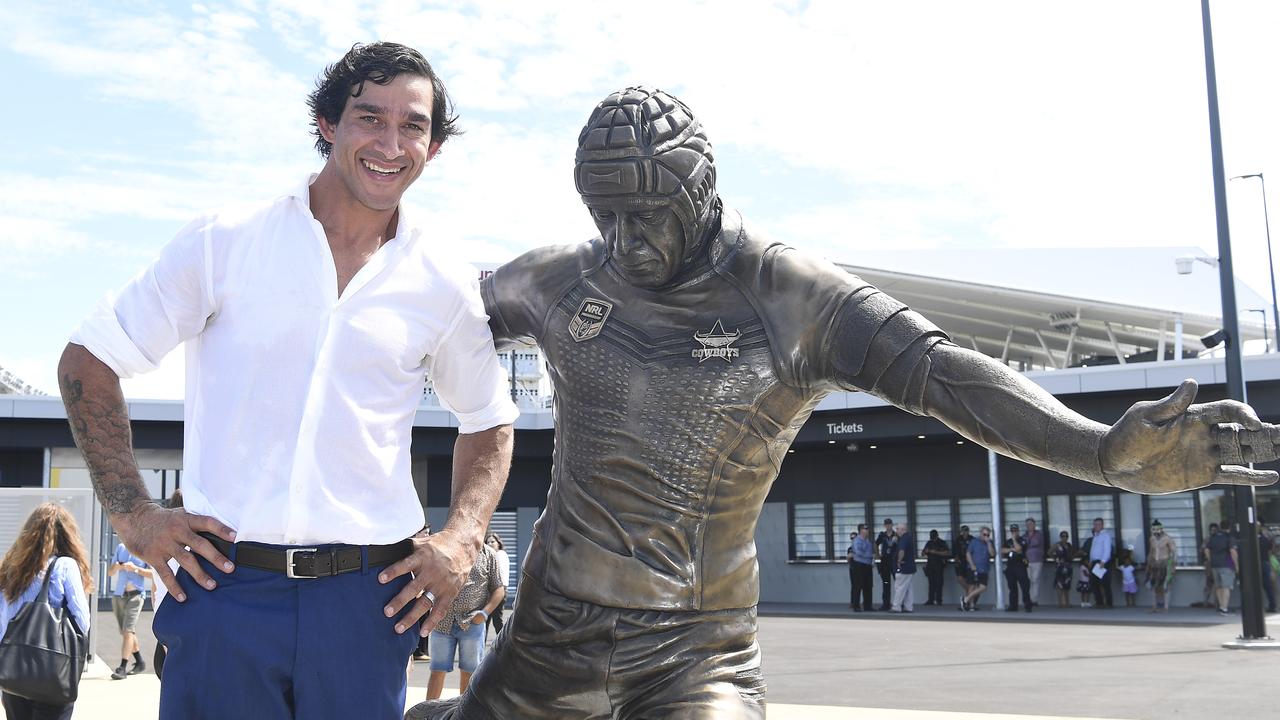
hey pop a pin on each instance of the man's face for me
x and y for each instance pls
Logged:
(864, 532)
(645, 244)
(1031, 525)
(383, 140)
(1097, 526)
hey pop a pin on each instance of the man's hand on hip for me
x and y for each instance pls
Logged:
(439, 564)
(156, 534)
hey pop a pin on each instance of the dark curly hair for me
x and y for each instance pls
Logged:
(379, 63)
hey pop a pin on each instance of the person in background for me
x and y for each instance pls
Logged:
(1162, 554)
(1035, 551)
(1062, 555)
(978, 555)
(504, 572)
(904, 568)
(1265, 543)
(1128, 576)
(1015, 569)
(128, 594)
(886, 551)
(1275, 559)
(860, 555)
(461, 631)
(1101, 557)
(1084, 584)
(936, 553)
(960, 558)
(50, 535)
(1220, 555)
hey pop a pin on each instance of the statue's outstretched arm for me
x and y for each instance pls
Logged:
(1162, 446)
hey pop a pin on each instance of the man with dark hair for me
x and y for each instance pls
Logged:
(310, 322)
(686, 352)
(886, 555)
(936, 553)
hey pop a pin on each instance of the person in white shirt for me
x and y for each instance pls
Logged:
(310, 323)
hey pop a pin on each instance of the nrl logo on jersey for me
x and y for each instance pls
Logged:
(589, 319)
(716, 344)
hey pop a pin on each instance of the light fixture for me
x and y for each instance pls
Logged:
(873, 447)
(959, 442)
(831, 442)
(919, 437)
(1214, 339)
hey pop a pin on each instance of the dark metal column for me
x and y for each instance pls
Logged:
(1253, 621)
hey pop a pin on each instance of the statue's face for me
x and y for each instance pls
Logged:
(646, 245)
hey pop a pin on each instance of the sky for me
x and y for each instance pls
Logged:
(839, 127)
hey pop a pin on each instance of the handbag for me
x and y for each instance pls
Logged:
(42, 653)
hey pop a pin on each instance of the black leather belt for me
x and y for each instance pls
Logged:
(310, 562)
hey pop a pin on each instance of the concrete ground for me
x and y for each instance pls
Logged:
(824, 662)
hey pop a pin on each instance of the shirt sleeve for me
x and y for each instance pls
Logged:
(73, 591)
(165, 304)
(465, 369)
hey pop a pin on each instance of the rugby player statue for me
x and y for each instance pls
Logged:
(686, 351)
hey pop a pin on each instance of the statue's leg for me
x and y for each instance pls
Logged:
(550, 662)
(688, 666)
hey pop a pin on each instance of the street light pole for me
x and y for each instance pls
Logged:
(1266, 339)
(1252, 620)
(1271, 267)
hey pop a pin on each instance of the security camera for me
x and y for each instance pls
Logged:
(1184, 264)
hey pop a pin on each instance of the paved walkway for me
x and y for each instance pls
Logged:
(936, 664)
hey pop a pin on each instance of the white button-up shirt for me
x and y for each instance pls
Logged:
(300, 401)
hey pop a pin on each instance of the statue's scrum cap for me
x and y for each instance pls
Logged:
(643, 147)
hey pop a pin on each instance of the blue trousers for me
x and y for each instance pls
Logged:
(269, 647)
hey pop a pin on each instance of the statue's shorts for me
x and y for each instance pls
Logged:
(561, 659)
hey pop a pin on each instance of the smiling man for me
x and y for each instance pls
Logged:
(310, 323)
(686, 352)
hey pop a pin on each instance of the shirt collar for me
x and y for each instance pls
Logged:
(406, 233)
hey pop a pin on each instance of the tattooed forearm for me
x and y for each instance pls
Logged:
(99, 422)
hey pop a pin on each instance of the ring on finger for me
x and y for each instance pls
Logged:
(430, 596)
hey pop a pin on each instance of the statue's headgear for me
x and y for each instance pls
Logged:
(642, 147)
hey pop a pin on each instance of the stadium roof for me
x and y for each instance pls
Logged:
(1055, 308)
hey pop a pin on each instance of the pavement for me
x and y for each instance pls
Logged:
(824, 662)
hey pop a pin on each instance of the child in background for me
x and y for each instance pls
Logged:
(1082, 585)
(1127, 574)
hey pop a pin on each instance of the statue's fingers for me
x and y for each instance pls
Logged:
(1240, 475)
(1176, 403)
(1230, 411)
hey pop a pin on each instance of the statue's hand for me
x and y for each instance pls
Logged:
(1170, 445)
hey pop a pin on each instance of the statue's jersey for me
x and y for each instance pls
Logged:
(675, 408)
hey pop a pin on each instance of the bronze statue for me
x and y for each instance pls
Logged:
(687, 351)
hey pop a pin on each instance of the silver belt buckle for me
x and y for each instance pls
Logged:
(288, 563)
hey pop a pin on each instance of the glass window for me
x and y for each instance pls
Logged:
(1177, 513)
(1132, 535)
(1089, 507)
(1059, 520)
(1018, 509)
(1268, 505)
(1213, 509)
(809, 523)
(845, 517)
(932, 515)
(975, 512)
(881, 510)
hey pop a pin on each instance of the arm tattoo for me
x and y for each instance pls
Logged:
(100, 426)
